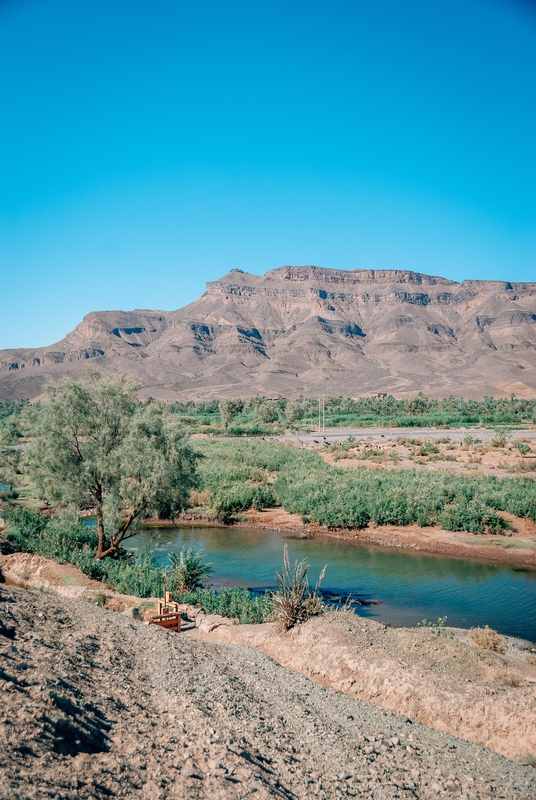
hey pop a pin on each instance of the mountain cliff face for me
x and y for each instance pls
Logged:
(307, 330)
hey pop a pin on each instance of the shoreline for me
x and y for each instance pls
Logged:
(412, 671)
(516, 550)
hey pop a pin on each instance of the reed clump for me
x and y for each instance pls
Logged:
(188, 569)
(294, 602)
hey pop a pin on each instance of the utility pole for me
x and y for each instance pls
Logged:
(322, 412)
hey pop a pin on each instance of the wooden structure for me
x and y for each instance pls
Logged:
(167, 613)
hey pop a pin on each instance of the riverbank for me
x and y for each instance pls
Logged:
(436, 677)
(107, 706)
(514, 548)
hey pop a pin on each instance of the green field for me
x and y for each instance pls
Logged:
(262, 416)
(239, 475)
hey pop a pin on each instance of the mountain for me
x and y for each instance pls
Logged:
(307, 330)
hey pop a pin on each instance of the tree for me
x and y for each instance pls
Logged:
(9, 457)
(294, 412)
(97, 446)
(229, 408)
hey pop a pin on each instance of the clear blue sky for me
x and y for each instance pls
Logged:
(147, 146)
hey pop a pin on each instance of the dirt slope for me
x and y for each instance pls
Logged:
(307, 330)
(94, 704)
(444, 682)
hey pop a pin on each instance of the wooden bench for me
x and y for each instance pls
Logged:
(167, 613)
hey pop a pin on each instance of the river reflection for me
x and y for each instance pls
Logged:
(409, 586)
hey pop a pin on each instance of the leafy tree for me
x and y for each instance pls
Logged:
(229, 408)
(267, 412)
(294, 412)
(97, 446)
(9, 458)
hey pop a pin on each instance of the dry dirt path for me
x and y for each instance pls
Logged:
(94, 704)
(390, 434)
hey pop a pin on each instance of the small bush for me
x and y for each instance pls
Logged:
(9, 495)
(500, 438)
(522, 447)
(294, 602)
(527, 465)
(488, 639)
(188, 568)
(507, 677)
(428, 449)
(100, 599)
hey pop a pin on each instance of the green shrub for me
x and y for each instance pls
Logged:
(428, 449)
(500, 438)
(235, 602)
(522, 447)
(319, 492)
(294, 602)
(472, 517)
(188, 568)
(241, 497)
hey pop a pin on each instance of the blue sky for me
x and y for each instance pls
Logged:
(148, 146)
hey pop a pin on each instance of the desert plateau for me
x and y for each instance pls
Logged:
(307, 330)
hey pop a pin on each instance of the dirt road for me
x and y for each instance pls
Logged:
(97, 705)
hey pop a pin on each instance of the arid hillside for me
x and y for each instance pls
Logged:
(307, 330)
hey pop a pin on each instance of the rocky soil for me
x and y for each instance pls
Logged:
(436, 676)
(96, 705)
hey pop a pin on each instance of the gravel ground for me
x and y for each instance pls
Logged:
(94, 704)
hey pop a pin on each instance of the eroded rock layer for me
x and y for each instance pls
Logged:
(307, 330)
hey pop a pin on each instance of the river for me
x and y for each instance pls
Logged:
(408, 586)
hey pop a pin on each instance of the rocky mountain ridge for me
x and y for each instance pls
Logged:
(307, 330)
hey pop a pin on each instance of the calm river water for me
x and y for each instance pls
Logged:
(409, 587)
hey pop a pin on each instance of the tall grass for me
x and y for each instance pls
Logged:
(303, 483)
(294, 602)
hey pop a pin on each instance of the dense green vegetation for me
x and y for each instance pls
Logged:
(303, 483)
(235, 602)
(130, 460)
(69, 540)
(95, 445)
(262, 416)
